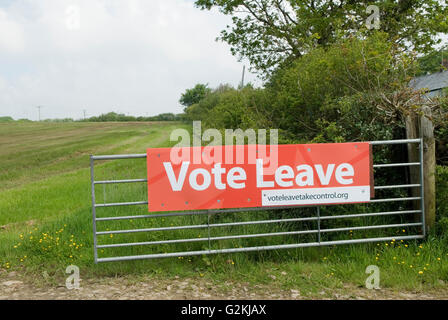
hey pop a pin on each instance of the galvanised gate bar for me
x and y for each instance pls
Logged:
(104, 239)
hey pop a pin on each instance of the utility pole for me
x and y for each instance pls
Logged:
(39, 107)
(242, 78)
(84, 111)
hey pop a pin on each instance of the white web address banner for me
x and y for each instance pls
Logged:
(291, 197)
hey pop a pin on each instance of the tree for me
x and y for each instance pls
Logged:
(434, 61)
(353, 90)
(194, 95)
(272, 32)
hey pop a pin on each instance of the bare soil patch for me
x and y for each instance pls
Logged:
(14, 287)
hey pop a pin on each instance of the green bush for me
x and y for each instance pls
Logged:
(6, 119)
(441, 130)
(119, 117)
(442, 199)
(227, 107)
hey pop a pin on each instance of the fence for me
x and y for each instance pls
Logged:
(285, 227)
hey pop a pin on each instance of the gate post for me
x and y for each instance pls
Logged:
(429, 164)
(421, 126)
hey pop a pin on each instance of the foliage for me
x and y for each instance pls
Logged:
(353, 90)
(434, 61)
(442, 199)
(59, 120)
(270, 32)
(358, 89)
(440, 120)
(162, 117)
(6, 119)
(227, 107)
(119, 117)
(194, 95)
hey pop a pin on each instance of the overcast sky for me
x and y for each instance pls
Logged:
(128, 56)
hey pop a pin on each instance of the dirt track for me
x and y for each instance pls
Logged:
(13, 287)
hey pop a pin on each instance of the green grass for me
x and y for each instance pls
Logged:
(46, 219)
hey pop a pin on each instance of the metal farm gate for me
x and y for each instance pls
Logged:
(127, 235)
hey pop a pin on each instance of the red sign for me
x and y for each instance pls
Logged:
(197, 178)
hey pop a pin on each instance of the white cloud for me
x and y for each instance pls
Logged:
(131, 56)
(11, 35)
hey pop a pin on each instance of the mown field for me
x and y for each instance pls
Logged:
(46, 221)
